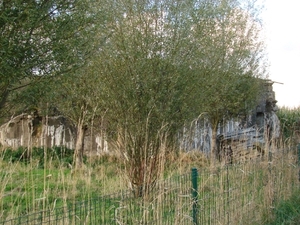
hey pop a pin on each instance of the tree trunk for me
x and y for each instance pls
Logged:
(79, 146)
(78, 154)
(213, 141)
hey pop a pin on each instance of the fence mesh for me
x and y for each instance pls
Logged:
(227, 194)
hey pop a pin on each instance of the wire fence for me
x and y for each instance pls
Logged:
(228, 194)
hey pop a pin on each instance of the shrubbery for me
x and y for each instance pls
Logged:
(288, 211)
(59, 156)
(289, 124)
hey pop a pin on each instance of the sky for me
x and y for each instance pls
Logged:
(282, 33)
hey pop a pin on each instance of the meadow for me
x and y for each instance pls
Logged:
(257, 191)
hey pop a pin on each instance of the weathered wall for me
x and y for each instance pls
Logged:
(251, 131)
(28, 131)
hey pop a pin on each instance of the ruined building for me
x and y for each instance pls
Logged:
(240, 136)
(261, 125)
(35, 131)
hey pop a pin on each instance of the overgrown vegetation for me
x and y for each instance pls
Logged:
(34, 182)
(245, 193)
(40, 39)
(288, 211)
(30, 183)
(59, 156)
(289, 125)
(138, 71)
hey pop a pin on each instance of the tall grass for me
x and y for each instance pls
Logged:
(32, 185)
(243, 193)
(287, 211)
(290, 126)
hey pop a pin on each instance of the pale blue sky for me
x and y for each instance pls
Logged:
(282, 24)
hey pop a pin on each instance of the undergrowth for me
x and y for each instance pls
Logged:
(287, 212)
(43, 179)
(60, 156)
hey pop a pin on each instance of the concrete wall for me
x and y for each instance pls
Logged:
(28, 131)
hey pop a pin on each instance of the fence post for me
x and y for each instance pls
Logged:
(195, 195)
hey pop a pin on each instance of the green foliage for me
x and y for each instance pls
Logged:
(147, 87)
(59, 156)
(288, 212)
(28, 186)
(39, 39)
(289, 123)
(156, 66)
(10, 155)
(236, 194)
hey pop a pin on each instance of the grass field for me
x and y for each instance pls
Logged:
(28, 186)
(254, 192)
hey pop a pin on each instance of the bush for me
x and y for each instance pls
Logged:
(288, 212)
(60, 156)
(18, 155)
(289, 123)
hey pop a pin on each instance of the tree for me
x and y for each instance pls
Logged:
(141, 70)
(162, 65)
(47, 59)
(81, 94)
(227, 61)
(78, 96)
(40, 38)
(158, 65)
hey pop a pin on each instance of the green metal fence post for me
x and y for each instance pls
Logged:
(195, 195)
